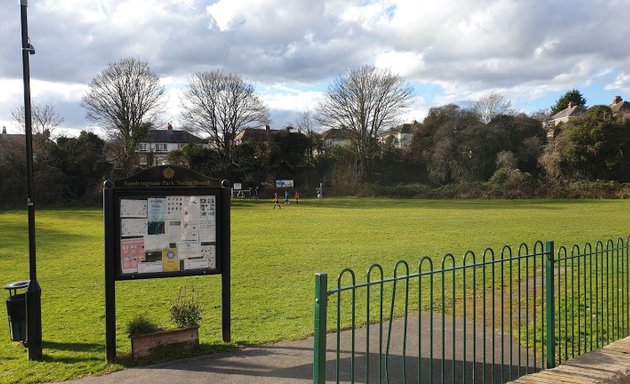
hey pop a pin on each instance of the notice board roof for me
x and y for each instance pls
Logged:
(167, 176)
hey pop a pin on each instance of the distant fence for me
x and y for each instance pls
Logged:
(480, 319)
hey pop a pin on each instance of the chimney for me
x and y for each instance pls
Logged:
(617, 99)
(169, 127)
(267, 128)
(4, 130)
(571, 105)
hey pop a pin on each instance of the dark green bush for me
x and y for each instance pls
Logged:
(140, 325)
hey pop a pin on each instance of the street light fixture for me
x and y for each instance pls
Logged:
(34, 292)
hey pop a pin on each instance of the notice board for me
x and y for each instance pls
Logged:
(165, 221)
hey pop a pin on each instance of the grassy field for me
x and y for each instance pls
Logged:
(275, 254)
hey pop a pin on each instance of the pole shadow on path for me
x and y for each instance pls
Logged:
(293, 361)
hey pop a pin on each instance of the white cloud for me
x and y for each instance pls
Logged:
(401, 63)
(528, 50)
(621, 82)
(283, 97)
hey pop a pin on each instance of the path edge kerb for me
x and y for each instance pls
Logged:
(609, 364)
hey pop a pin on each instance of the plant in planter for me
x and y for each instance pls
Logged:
(146, 337)
(140, 325)
(185, 310)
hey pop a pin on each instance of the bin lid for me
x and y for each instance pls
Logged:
(17, 284)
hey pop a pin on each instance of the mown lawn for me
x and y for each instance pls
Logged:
(275, 254)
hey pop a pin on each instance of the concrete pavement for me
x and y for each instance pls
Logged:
(292, 362)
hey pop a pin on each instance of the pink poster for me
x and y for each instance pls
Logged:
(131, 252)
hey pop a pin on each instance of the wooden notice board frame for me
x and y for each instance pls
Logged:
(165, 221)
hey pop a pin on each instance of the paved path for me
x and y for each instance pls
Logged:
(292, 362)
(610, 364)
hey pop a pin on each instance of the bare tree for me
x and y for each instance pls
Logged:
(492, 105)
(44, 119)
(363, 101)
(305, 123)
(125, 99)
(221, 105)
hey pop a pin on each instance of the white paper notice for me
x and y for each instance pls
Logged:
(190, 219)
(150, 267)
(133, 208)
(207, 219)
(155, 242)
(207, 250)
(196, 264)
(174, 207)
(188, 249)
(133, 227)
(174, 230)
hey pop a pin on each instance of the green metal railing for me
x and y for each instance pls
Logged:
(481, 319)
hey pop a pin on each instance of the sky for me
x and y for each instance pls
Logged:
(451, 51)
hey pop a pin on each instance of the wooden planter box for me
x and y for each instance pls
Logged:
(183, 338)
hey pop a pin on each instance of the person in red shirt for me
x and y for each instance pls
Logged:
(276, 201)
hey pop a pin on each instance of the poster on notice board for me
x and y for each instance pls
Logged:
(168, 233)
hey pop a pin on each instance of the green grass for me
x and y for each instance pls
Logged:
(275, 254)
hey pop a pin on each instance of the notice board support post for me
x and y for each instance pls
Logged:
(110, 283)
(226, 275)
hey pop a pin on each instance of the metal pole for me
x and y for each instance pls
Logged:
(549, 289)
(319, 348)
(34, 292)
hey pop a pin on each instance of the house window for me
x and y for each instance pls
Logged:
(160, 147)
(142, 147)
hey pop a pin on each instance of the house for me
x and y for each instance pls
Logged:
(254, 135)
(158, 143)
(400, 136)
(620, 107)
(570, 112)
(12, 143)
(336, 137)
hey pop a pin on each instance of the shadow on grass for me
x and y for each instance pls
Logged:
(461, 204)
(78, 352)
(73, 347)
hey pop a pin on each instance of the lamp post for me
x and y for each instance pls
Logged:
(34, 292)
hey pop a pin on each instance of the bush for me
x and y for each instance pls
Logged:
(140, 325)
(185, 310)
(398, 190)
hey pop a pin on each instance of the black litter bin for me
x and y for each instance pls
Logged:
(16, 309)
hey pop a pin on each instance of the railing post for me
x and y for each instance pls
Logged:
(319, 350)
(549, 316)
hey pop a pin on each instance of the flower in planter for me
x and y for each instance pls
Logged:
(185, 309)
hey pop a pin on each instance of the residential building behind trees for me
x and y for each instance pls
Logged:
(570, 98)
(156, 146)
(66, 171)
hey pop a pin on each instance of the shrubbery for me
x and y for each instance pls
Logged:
(523, 187)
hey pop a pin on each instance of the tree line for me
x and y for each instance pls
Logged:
(485, 149)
